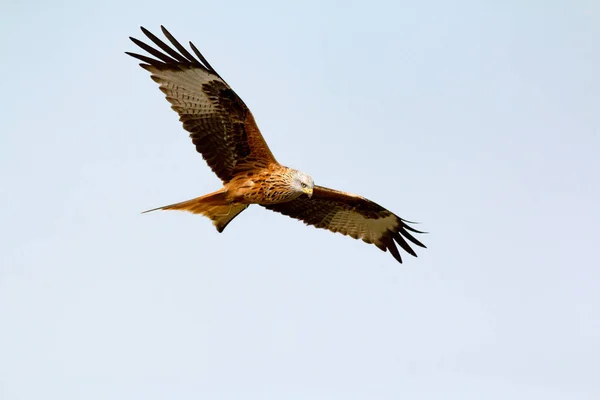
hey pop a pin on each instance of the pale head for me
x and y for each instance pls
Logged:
(302, 183)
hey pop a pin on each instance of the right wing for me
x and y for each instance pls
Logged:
(220, 124)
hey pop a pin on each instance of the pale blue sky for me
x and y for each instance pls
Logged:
(479, 119)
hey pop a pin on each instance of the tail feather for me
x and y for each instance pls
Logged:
(213, 205)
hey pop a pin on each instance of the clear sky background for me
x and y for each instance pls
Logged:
(479, 119)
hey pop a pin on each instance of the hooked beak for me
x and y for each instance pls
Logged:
(308, 192)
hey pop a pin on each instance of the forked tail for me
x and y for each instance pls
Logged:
(213, 205)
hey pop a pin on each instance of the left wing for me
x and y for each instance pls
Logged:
(354, 216)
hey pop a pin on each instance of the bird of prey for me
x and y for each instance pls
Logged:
(224, 131)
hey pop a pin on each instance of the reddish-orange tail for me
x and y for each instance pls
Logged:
(213, 205)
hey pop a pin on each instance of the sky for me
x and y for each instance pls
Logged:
(479, 119)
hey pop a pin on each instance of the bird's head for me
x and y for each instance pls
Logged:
(302, 183)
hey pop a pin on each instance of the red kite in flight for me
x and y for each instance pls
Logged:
(224, 131)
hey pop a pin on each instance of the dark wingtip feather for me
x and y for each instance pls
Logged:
(407, 221)
(179, 47)
(145, 59)
(173, 56)
(395, 253)
(388, 244)
(410, 228)
(204, 60)
(400, 240)
(404, 223)
(410, 237)
(161, 56)
(165, 47)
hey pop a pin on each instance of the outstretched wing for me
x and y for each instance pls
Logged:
(220, 125)
(352, 215)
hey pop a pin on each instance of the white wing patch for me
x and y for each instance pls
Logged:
(359, 227)
(183, 89)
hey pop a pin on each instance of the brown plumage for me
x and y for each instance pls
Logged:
(224, 131)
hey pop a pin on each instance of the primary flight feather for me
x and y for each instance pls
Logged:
(224, 131)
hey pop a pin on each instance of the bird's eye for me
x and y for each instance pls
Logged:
(303, 184)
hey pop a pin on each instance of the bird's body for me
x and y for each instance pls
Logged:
(224, 131)
(271, 185)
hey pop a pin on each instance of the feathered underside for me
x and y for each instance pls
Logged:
(220, 125)
(354, 216)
